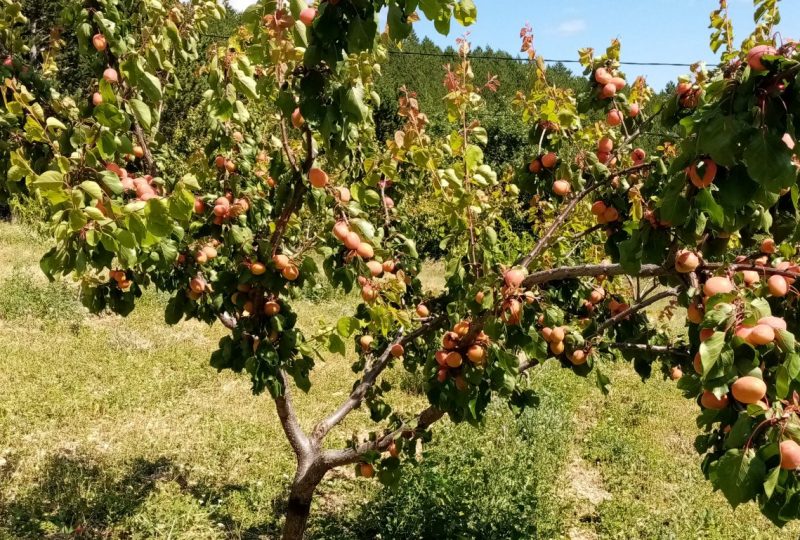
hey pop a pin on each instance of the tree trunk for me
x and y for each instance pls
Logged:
(305, 482)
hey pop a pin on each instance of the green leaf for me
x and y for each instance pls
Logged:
(705, 202)
(111, 181)
(710, 350)
(336, 345)
(141, 112)
(347, 326)
(738, 475)
(353, 104)
(769, 161)
(465, 12)
(92, 188)
(49, 181)
(630, 253)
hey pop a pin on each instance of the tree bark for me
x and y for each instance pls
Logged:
(308, 476)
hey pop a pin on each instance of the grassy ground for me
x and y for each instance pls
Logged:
(117, 428)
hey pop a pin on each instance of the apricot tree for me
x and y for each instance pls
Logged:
(707, 221)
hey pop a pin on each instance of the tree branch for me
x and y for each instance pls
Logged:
(635, 309)
(355, 398)
(591, 270)
(337, 458)
(647, 348)
(291, 426)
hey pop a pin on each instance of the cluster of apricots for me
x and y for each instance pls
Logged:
(120, 278)
(555, 336)
(513, 296)
(252, 300)
(604, 213)
(225, 207)
(143, 186)
(458, 344)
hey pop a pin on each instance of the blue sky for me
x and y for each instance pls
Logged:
(650, 30)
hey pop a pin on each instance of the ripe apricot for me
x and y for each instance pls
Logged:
(761, 334)
(397, 350)
(290, 273)
(633, 110)
(750, 277)
(197, 284)
(219, 162)
(602, 76)
(777, 286)
(440, 357)
(697, 363)
(694, 313)
(535, 166)
(441, 375)
(717, 285)
(297, 119)
(743, 332)
(352, 240)
(476, 354)
(423, 311)
(230, 166)
(547, 333)
(614, 117)
(557, 347)
(369, 293)
(683, 88)
(318, 177)
(598, 208)
(479, 296)
(605, 145)
(608, 90)
(514, 277)
(307, 16)
(389, 265)
(97, 99)
(561, 188)
(280, 261)
(749, 390)
(99, 42)
(768, 246)
(686, 261)
(549, 160)
(375, 268)
(210, 252)
(610, 215)
(111, 76)
(453, 359)
(199, 206)
(638, 155)
(755, 54)
(578, 357)
(776, 323)
(366, 470)
(709, 173)
(706, 333)
(272, 308)
(790, 455)
(341, 230)
(365, 342)
(596, 296)
(558, 334)
(619, 83)
(710, 401)
(365, 251)
(675, 373)
(343, 193)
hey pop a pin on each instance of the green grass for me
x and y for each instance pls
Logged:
(117, 428)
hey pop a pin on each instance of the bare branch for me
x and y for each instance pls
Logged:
(591, 270)
(635, 309)
(291, 426)
(647, 348)
(370, 377)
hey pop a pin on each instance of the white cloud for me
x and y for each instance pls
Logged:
(571, 27)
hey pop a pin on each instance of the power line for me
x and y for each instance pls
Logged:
(509, 58)
(528, 60)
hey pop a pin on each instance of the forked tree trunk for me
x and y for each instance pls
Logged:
(305, 482)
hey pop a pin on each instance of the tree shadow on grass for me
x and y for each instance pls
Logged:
(75, 497)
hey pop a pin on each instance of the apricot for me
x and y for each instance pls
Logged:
(633, 110)
(602, 76)
(197, 284)
(761, 334)
(709, 173)
(99, 42)
(297, 119)
(561, 188)
(199, 206)
(461, 328)
(343, 194)
(614, 117)
(479, 296)
(219, 162)
(749, 390)
(366, 470)
(441, 375)
(535, 166)
(138, 152)
(683, 88)
(280, 261)
(578, 357)
(453, 359)
(389, 265)
(393, 450)
(717, 285)
(210, 252)
(440, 357)
(694, 313)
(755, 54)
(368, 293)
(619, 83)
(111, 76)
(547, 333)
(750, 277)
(697, 363)
(397, 350)
(743, 332)
(365, 251)
(710, 401)
(476, 354)
(638, 155)
(318, 177)
(257, 268)
(675, 373)
(97, 99)
(610, 215)
(272, 308)
(290, 273)
(549, 160)
(790, 455)
(307, 16)
(558, 334)
(608, 90)
(341, 230)
(423, 311)
(686, 261)
(768, 246)
(365, 342)
(597, 295)
(375, 268)
(514, 276)
(605, 145)
(557, 347)
(352, 240)
(776, 323)
(450, 340)
(777, 286)
(706, 333)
